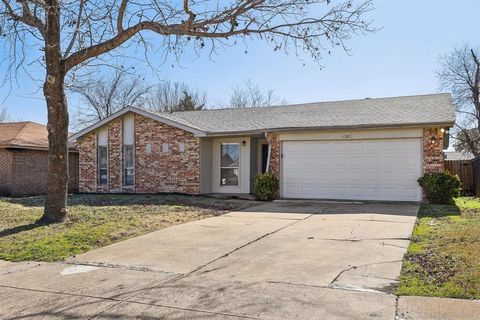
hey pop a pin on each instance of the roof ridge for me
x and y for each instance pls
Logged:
(307, 103)
(19, 127)
(22, 122)
(415, 110)
(24, 134)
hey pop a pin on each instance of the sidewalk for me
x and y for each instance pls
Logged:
(429, 308)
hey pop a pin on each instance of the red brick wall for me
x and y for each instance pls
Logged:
(5, 171)
(171, 171)
(274, 166)
(275, 155)
(159, 171)
(87, 163)
(73, 172)
(29, 172)
(26, 172)
(432, 150)
(115, 158)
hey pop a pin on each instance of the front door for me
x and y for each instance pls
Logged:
(231, 165)
(264, 157)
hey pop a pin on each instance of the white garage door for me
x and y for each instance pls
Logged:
(355, 169)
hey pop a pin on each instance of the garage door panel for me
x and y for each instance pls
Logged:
(354, 169)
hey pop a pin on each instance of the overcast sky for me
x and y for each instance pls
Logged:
(400, 59)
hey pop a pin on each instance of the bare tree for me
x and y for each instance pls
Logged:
(167, 96)
(4, 115)
(460, 74)
(104, 96)
(251, 95)
(72, 37)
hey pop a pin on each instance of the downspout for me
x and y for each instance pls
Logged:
(267, 169)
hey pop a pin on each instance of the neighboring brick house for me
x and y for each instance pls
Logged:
(24, 160)
(368, 149)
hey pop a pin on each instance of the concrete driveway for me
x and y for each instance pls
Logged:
(356, 246)
(280, 260)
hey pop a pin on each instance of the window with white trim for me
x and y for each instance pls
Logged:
(128, 151)
(102, 165)
(128, 167)
(229, 164)
(102, 157)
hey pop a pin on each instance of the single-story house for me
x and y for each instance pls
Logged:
(24, 159)
(368, 149)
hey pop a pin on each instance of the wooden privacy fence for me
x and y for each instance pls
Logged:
(476, 176)
(462, 168)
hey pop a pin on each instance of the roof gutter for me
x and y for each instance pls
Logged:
(70, 149)
(338, 128)
(145, 113)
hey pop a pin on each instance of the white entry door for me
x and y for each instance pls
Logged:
(384, 169)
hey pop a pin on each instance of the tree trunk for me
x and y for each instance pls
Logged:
(53, 89)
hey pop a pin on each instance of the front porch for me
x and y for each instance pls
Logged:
(229, 164)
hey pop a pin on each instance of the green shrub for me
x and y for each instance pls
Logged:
(265, 186)
(440, 187)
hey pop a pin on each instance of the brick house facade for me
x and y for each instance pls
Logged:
(23, 172)
(115, 153)
(156, 169)
(221, 151)
(274, 165)
(6, 160)
(433, 150)
(165, 171)
(24, 160)
(87, 181)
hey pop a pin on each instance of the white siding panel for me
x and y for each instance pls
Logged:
(382, 169)
(128, 130)
(103, 136)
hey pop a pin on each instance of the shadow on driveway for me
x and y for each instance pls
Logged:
(336, 207)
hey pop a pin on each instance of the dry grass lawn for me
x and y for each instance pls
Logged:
(443, 258)
(95, 221)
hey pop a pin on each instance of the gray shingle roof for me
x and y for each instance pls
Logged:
(421, 110)
(25, 135)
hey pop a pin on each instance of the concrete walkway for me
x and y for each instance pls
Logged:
(282, 260)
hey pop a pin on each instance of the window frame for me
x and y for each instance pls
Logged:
(132, 167)
(99, 168)
(238, 167)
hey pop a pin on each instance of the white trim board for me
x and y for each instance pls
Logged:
(142, 112)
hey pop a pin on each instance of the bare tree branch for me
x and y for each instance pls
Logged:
(277, 23)
(4, 115)
(251, 95)
(101, 97)
(69, 39)
(77, 29)
(24, 15)
(460, 74)
(121, 12)
(175, 96)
